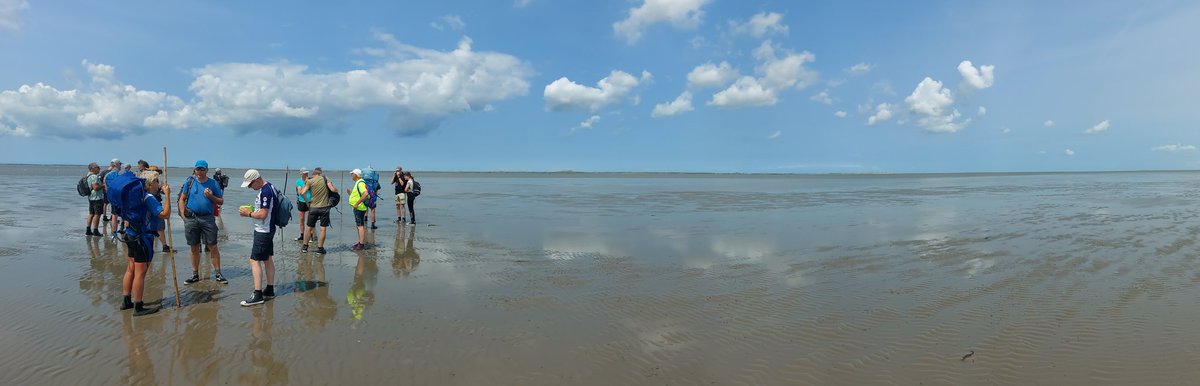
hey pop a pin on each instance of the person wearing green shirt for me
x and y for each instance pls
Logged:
(358, 196)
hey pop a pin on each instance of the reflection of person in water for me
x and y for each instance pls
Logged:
(362, 292)
(405, 258)
(196, 345)
(265, 370)
(312, 291)
(141, 369)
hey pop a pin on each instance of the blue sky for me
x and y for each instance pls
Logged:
(644, 85)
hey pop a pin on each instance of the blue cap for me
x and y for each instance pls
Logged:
(202, 164)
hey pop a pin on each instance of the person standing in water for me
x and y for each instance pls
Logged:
(141, 249)
(302, 201)
(199, 198)
(263, 249)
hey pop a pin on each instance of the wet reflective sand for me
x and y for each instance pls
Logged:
(1071, 279)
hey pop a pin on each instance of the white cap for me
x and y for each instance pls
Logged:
(250, 176)
(114, 161)
(357, 172)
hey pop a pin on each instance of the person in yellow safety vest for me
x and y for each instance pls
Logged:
(358, 197)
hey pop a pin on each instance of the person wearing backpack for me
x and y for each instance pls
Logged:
(359, 195)
(197, 200)
(263, 249)
(412, 189)
(114, 168)
(302, 201)
(143, 218)
(323, 192)
(372, 178)
(399, 182)
(95, 195)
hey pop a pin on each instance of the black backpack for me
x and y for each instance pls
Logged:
(416, 188)
(83, 187)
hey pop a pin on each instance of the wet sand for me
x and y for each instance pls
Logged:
(1067, 279)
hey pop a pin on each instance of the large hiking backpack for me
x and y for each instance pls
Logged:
(127, 196)
(282, 213)
(416, 188)
(83, 187)
(372, 194)
(372, 178)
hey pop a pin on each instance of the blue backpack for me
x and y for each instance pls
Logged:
(126, 195)
(282, 213)
(372, 194)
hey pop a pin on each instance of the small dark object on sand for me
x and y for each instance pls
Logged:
(968, 355)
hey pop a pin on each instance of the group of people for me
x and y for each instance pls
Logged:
(200, 201)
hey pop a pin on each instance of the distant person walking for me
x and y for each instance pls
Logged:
(318, 207)
(358, 201)
(141, 247)
(397, 179)
(412, 189)
(95, 200)
(263, 249)
(302, 201)
(198, 200)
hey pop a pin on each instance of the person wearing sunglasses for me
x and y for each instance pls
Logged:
(198, 199)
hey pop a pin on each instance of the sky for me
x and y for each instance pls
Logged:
(605, 86)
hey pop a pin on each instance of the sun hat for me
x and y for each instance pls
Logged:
(303, 171)
(250, 176)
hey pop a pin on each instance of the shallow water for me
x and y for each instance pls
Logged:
(640, 279)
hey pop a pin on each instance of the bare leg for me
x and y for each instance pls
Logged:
(215, 256)
(321, 240)
(139, 280)
(196, 258)
(127, 281)
(257, 271)
(270, 263)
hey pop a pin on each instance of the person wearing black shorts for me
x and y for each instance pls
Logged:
(264, 235)
(95, 201)
(318, 207)
(141, 248)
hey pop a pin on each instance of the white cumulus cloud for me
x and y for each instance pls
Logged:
(587, 123)
(1098, 128)
(1048, 123)
(522, 3)
(1069, 152)
(982, 111)
(840, 114)
(681, 104)
(822, 97)
(711, 75)
(775, 135)
(563, 94)
(1179, 147)
(418, 87)
(978, 79)
(747, 91)
(683, 14)
(9, 18)
(453, 22)
(860, 68)
(106, 108)
(760, 24)
(883, 112)
(776, 74)
(934, 103)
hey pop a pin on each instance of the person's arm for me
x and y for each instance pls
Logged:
(361, 196)
(330, 186)
(215, 195)
(261, 212)
(182, 204)
(166, 210)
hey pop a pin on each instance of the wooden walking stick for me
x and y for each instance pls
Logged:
(170, 239)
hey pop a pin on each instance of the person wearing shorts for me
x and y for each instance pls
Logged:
(359, 195)
(318, 207)
(198, 200)
(95, 201)
(399, 181)
(302, 202)
(264, 237)
(141, 249)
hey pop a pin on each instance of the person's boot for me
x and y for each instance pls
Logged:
(126, 303)
(269, 292)
(373, 225)
(140, 309)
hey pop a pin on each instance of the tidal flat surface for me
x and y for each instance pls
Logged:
(1068, 279)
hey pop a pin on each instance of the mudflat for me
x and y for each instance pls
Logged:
(1068, 279)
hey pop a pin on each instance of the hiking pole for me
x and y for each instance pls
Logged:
(283, 196)
(170, 239)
